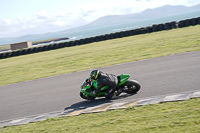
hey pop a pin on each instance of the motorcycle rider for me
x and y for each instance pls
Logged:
(104, 79)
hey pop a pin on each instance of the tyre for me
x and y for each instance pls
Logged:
(182, 24)
(155, 28)
(29, 50)
(174, 24)
(193, 21)
(1, 55)
(85, 97)
(133, 86)
(149, 29)
(161, 27)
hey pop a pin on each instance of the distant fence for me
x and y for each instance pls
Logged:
(144, 30)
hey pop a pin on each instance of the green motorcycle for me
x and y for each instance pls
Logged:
(126, 85)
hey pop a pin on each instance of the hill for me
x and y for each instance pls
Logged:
(110, 20)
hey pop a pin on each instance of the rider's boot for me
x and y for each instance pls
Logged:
(118, 92)
(109, 94)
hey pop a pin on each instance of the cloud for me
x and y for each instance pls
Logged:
(43, 15)
(7, 21)
(59, 23)
(42, 22)
(45, 21)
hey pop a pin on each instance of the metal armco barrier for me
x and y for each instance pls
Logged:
(144, 30)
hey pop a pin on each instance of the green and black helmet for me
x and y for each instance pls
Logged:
(94, 74)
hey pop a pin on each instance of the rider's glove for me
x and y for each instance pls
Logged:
(87, 80)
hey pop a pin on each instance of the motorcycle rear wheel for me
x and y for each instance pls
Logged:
(133, 86)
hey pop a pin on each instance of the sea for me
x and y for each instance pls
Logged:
(124, 27)
(118, 28)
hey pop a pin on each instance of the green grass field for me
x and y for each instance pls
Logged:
(172, 117)
(99, 54)
(4, 47)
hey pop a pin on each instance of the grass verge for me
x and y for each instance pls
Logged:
(99, 54)
(4, 47)
(171, 117)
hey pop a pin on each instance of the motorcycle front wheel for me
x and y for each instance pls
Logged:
(133, 86)
(82, 95)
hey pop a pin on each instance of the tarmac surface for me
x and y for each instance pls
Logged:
(157, 76)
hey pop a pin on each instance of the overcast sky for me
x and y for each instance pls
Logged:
(21, 17)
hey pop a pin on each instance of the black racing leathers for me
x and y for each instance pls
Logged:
(105, 79)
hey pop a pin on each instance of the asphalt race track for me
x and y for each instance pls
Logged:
(158, 76)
